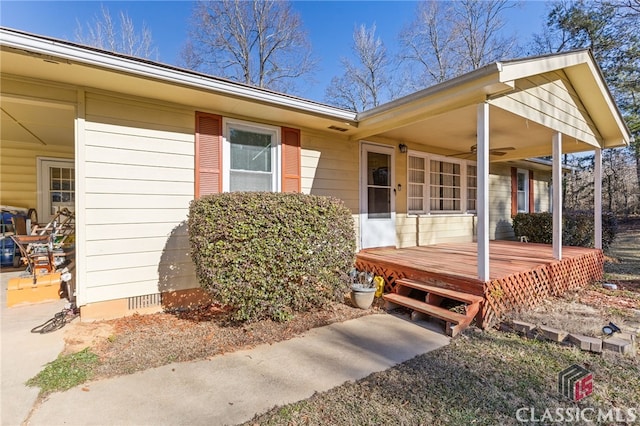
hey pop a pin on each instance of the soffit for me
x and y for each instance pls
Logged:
(93, 77)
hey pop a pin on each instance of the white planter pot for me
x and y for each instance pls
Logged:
(362, 297)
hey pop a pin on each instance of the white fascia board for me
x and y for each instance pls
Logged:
(486, 71)
(522, 68)
(50, 49)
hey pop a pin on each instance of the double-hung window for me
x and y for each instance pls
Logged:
(439, 184)
(252, 153)
(523, 191)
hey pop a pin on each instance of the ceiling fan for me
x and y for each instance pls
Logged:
(493, 151)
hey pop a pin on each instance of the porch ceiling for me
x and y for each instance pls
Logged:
(35, 122)
(454, 133)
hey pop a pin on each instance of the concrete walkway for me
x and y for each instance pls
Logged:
(23, 353)
(227, 389)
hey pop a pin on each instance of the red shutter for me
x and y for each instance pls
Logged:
(514, 191)
(290, 160)
(208, 161)
(532, 201)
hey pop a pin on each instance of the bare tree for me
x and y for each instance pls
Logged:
(610, 29)
(481, 24)
(259, 42)
(633, 5)
(429, 39)
(365, 83)
(447, 39)
(120, 37)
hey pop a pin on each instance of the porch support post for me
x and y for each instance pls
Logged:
(482, 208)
(557, 196)
(597, 198)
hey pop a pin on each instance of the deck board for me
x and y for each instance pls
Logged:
(460, 259)
(520, 274)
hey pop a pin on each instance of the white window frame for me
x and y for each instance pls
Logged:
(526, 190)
(276, 157)
(466, 200)
(43, 178)
(427, 185)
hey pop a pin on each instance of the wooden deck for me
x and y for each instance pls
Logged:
(521, 274)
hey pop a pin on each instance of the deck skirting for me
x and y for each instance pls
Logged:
(522, 274)
(527, 289)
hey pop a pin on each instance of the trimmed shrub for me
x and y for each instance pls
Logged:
(577, 228)
(268, 255)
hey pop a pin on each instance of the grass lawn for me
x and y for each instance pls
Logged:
(489, 377)
(480, 378)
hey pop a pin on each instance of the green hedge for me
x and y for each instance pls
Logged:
(577, 228)
(269, 255)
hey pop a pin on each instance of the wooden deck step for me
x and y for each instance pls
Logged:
(444, 292)
(455, 322)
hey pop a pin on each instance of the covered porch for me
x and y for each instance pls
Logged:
(521, 274)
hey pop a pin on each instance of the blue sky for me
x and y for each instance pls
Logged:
(329, 24)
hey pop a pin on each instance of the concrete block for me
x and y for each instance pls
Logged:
(617, 344)
(586, 343)
(419, 316)
(523, 327)
(629, 337)
(553, 334)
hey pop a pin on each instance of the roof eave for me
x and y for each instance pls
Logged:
(56, 49)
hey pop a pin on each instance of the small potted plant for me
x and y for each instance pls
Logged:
(363, 288)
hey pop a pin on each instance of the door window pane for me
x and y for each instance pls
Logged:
(378, 167)
(379, 203)
(379, 185)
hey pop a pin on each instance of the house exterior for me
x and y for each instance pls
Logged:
(129, 143)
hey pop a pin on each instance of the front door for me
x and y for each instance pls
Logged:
(377, 196)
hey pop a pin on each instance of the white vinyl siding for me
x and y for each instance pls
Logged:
(330, 167)
(550, 99)
(139, 182)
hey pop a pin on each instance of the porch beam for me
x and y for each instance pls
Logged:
(557, 195)
(482, 208)
(597, 198)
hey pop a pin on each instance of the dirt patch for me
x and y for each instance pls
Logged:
(79, 335)
(587, 310)
(137, 342)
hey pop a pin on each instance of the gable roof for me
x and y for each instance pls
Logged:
(401, 119)
(499, 79)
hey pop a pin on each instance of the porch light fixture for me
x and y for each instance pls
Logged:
(403, 148)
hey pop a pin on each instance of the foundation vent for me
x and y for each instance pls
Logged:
(146, 301)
